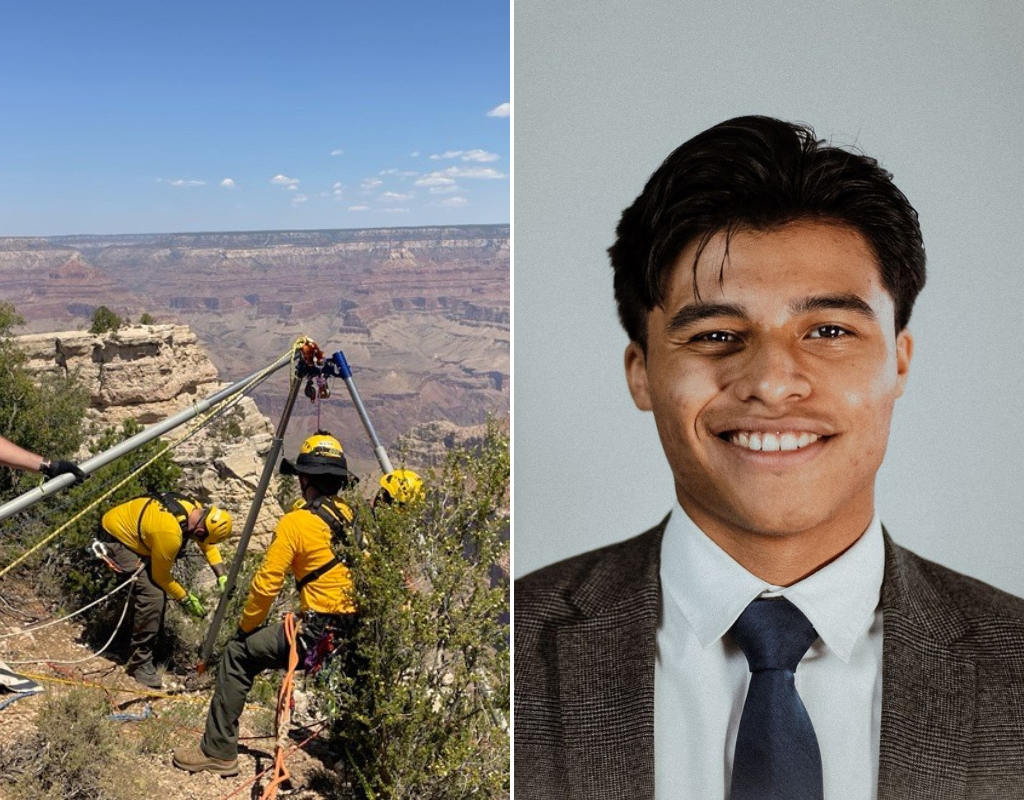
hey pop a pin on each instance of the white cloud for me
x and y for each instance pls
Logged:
(371, 183)
(283, 180)
(394, 210)
(292, 187)
(504, 110)
(298, 200)
(337, 186)
(415, 154)
(179, 183)
(402, 173)
(444, 189)
(337, 152)
(454, 202)
(479, 156)
(228, 183)
(435, 179)
(472, 172)
(395, 196)
(447, 154)
(358, 208)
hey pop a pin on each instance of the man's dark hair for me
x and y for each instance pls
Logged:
(760, 173)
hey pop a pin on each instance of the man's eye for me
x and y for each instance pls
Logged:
(829, 332)
(718, 337)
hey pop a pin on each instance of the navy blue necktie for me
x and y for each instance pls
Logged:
(777, 756)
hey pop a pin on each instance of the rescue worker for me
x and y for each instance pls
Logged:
(302, 546)
(15, 457)
(398, 487)
(153, 531)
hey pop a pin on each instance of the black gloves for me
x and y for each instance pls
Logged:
(51, 469)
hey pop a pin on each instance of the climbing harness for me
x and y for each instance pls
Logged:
(337, 516)
(172, 502)
(322, 637)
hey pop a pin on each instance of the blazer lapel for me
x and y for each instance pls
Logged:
(928, 691)
(606, 677)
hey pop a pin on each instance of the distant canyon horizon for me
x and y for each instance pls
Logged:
(422, 314)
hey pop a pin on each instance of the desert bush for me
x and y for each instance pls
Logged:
(78, 754)
(420, 709)
(103, 320)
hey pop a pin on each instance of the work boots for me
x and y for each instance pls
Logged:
(194, 759)
(145, 673)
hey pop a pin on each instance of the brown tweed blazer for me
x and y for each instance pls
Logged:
(952, 679)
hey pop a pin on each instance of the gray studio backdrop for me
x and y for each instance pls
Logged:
(934, 90)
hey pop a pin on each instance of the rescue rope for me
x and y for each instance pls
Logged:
(204, 420)
(90, 685)
(180, 698)
(259, 775)
(284, 711)
(95, 602)
(91, 656)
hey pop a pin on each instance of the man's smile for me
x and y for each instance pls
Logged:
(770, 441)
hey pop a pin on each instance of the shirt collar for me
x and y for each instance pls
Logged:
(711, 589)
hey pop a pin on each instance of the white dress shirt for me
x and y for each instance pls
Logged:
(701, 676)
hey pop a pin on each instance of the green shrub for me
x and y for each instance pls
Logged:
(103, 320)
(423, 714)
(44, 417)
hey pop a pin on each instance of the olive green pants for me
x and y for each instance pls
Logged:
(149, 603)
(242, 661)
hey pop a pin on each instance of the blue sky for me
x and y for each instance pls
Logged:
(139, 117)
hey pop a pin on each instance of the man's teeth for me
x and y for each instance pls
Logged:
(772, 442)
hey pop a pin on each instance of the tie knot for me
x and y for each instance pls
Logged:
(773, 634)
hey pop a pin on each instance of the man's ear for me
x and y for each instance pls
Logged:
(636, 376)
(904, 352)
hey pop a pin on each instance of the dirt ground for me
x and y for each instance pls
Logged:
(175, 718)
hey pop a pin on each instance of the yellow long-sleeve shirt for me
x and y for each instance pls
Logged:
(301, 544)
(152, 531)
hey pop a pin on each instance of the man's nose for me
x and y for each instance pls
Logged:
(772, 374)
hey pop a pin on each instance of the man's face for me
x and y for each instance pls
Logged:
(773, 392)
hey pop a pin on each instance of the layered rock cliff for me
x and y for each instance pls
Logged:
(423, 314)
(150, 372)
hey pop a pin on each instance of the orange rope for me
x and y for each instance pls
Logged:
(256, 777)
(284, 712)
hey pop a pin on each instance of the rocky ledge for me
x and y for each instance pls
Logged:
(149, 372)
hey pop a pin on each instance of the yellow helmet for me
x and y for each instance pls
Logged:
(401, 486)
(320, 454)
(217, 523)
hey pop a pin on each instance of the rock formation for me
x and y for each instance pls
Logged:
(150, 372)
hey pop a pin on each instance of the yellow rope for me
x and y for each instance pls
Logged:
(185, 698)
(220, 408)
(90, 685)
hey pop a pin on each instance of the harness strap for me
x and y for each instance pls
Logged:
(334, 516)
(316, 573)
